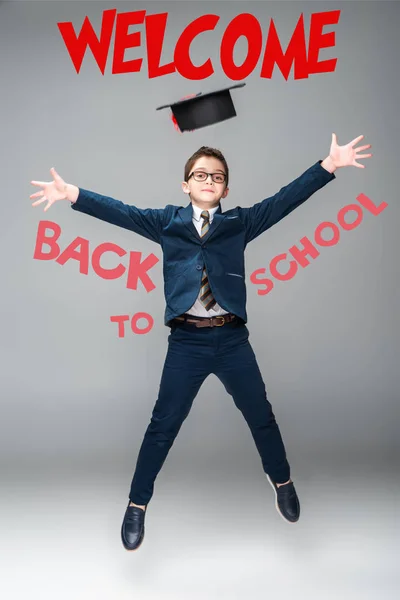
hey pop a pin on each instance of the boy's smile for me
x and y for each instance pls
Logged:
(205, 191)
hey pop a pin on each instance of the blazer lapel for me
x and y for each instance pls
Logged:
(186, 215)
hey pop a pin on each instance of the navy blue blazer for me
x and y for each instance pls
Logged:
(221, 250)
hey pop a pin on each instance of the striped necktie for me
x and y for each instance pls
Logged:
(206, 297)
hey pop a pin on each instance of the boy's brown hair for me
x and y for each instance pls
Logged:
(206, 151)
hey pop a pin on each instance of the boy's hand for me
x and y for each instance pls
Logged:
(54, 190)
(345, 156)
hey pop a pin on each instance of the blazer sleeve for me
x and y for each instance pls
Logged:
(147, 222)
(261, 216)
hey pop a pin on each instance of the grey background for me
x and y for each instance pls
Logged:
(76, 399)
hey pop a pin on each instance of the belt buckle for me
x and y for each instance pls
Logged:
(223, 321)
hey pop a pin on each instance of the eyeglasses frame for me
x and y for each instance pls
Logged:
(193, 173)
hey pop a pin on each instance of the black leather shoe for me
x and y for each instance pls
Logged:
(286, 501)
(132, 530)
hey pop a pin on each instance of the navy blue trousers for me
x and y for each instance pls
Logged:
(193, 354)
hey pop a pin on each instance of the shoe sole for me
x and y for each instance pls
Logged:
(276, 503)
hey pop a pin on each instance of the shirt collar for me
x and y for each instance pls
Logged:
(197, 212)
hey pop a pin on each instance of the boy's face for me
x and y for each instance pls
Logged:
(205, 192)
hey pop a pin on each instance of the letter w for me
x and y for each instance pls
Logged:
(76, 46)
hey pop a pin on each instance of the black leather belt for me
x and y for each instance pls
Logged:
(206, 321)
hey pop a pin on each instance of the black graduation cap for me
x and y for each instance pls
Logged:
(200, 110)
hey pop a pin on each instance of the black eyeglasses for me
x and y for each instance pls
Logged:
(203, 176)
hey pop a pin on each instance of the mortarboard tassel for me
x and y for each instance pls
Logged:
(175, 122)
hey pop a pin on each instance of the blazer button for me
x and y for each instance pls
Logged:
(198, 267)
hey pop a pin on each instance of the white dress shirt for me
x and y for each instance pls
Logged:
(198, 309)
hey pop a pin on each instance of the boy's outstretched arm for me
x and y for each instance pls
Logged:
(147, 222)
(263, 215)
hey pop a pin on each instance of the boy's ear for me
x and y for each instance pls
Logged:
(225, 193)
(185, 187)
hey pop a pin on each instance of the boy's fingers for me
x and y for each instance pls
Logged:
(55, 174)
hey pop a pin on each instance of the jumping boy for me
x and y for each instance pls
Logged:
(205, 293)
